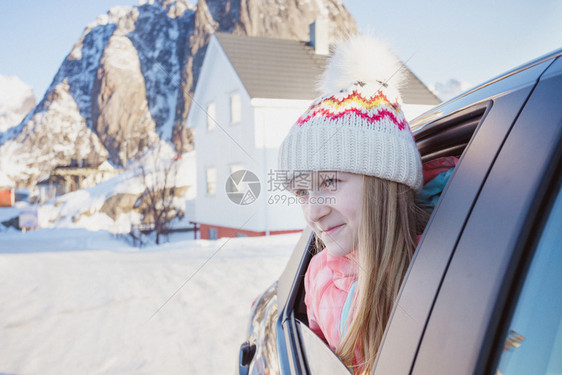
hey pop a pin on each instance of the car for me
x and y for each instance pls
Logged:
(483, 293)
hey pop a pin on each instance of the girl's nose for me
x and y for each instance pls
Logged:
(316, 211)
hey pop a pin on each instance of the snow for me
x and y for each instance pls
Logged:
(16, 99)
(9, 164)
(74, 301)
(7, 213)
(5, 181)
(82, 208)
(67, 134)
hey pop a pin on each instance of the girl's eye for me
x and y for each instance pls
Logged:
(301, 192)
(329, 182)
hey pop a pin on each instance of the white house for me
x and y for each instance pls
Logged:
(249, 93)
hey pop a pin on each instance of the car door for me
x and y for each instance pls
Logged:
(468, 325)
(502, 102)
(415, 304)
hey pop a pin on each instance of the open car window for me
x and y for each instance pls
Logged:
(441, 146)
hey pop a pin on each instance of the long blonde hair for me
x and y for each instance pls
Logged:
(390, 223)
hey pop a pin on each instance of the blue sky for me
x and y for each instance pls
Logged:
(471, 41)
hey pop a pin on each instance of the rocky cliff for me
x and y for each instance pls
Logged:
(131, 75)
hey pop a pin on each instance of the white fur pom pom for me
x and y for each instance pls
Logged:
(365, 59)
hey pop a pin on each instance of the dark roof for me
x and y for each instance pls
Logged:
(274, 68)
(415, 92)
(289, 69)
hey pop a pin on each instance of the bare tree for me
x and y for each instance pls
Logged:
(156, 203)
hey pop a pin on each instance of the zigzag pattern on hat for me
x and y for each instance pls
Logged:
(355, 104)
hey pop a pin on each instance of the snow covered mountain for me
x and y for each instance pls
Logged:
(16, 100)
(131, 76)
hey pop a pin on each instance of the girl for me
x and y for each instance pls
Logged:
(356, 147)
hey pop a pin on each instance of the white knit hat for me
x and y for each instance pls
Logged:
(358, 125)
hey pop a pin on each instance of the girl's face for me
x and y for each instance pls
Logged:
(332, 208)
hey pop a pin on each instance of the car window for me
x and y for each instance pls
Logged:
(319, 357)
(534, 340)
(441, 146)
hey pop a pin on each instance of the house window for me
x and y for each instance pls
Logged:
(231, 184)
(235, 108)
(212, 233)
(211, 178)
(211, 116)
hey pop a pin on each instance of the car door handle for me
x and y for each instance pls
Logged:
(247, 352)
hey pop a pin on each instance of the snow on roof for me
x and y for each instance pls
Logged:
(5, 181)
(106, 166)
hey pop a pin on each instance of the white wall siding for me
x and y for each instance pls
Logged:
(411, 111)
(274, 118)
(225, 145)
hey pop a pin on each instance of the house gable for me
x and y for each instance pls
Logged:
(216, 78)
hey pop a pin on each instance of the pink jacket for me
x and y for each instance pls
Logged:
(327, 283)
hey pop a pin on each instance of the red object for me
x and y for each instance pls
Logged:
(233, 232)
(434, 167)
(6, 197)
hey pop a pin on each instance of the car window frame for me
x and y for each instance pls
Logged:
(414, 305)
(503, 248)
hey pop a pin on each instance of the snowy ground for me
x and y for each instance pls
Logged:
(79, 302)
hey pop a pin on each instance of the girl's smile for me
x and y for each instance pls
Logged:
(333, 229)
